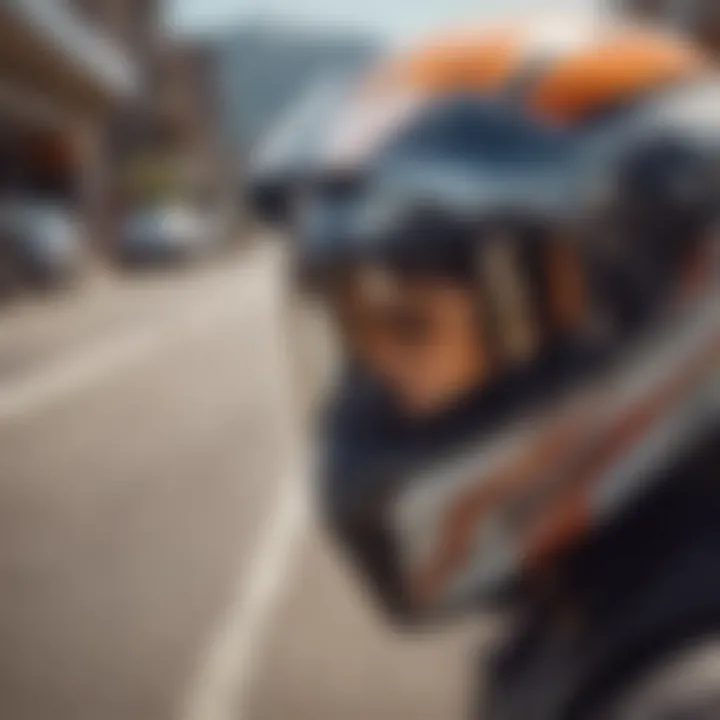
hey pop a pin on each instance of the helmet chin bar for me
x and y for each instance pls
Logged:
(458, 533)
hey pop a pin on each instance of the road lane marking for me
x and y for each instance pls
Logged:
(227, 668)
(91, 366)
(226, 671)
(219, 689)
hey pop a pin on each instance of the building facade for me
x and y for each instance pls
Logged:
(180, 129)
(134, 25)
(94, 100)
(164, 146)
(63, 75)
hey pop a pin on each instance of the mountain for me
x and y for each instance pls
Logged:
(263, 71)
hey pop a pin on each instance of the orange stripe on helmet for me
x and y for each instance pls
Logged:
(613, 71)
(469, 60)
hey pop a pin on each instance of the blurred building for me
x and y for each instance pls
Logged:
(101, 111)
(699, 18)
(130, 23)
(163, 146)
(173, 144)
(63, 73)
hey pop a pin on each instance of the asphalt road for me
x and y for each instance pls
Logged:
(157, 556)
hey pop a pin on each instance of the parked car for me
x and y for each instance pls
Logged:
(41, 242)
(170, 233)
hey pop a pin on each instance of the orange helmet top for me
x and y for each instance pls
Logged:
(481, 160)
(566, 71)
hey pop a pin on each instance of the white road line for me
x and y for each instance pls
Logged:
(95, 364)
(226, 671)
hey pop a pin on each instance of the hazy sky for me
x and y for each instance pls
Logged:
(393, 18)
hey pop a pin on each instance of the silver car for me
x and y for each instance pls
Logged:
(169, 233)
(41, 242)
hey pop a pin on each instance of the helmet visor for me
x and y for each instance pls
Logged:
(430, 340)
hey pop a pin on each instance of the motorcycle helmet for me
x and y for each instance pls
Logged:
(512, 230)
